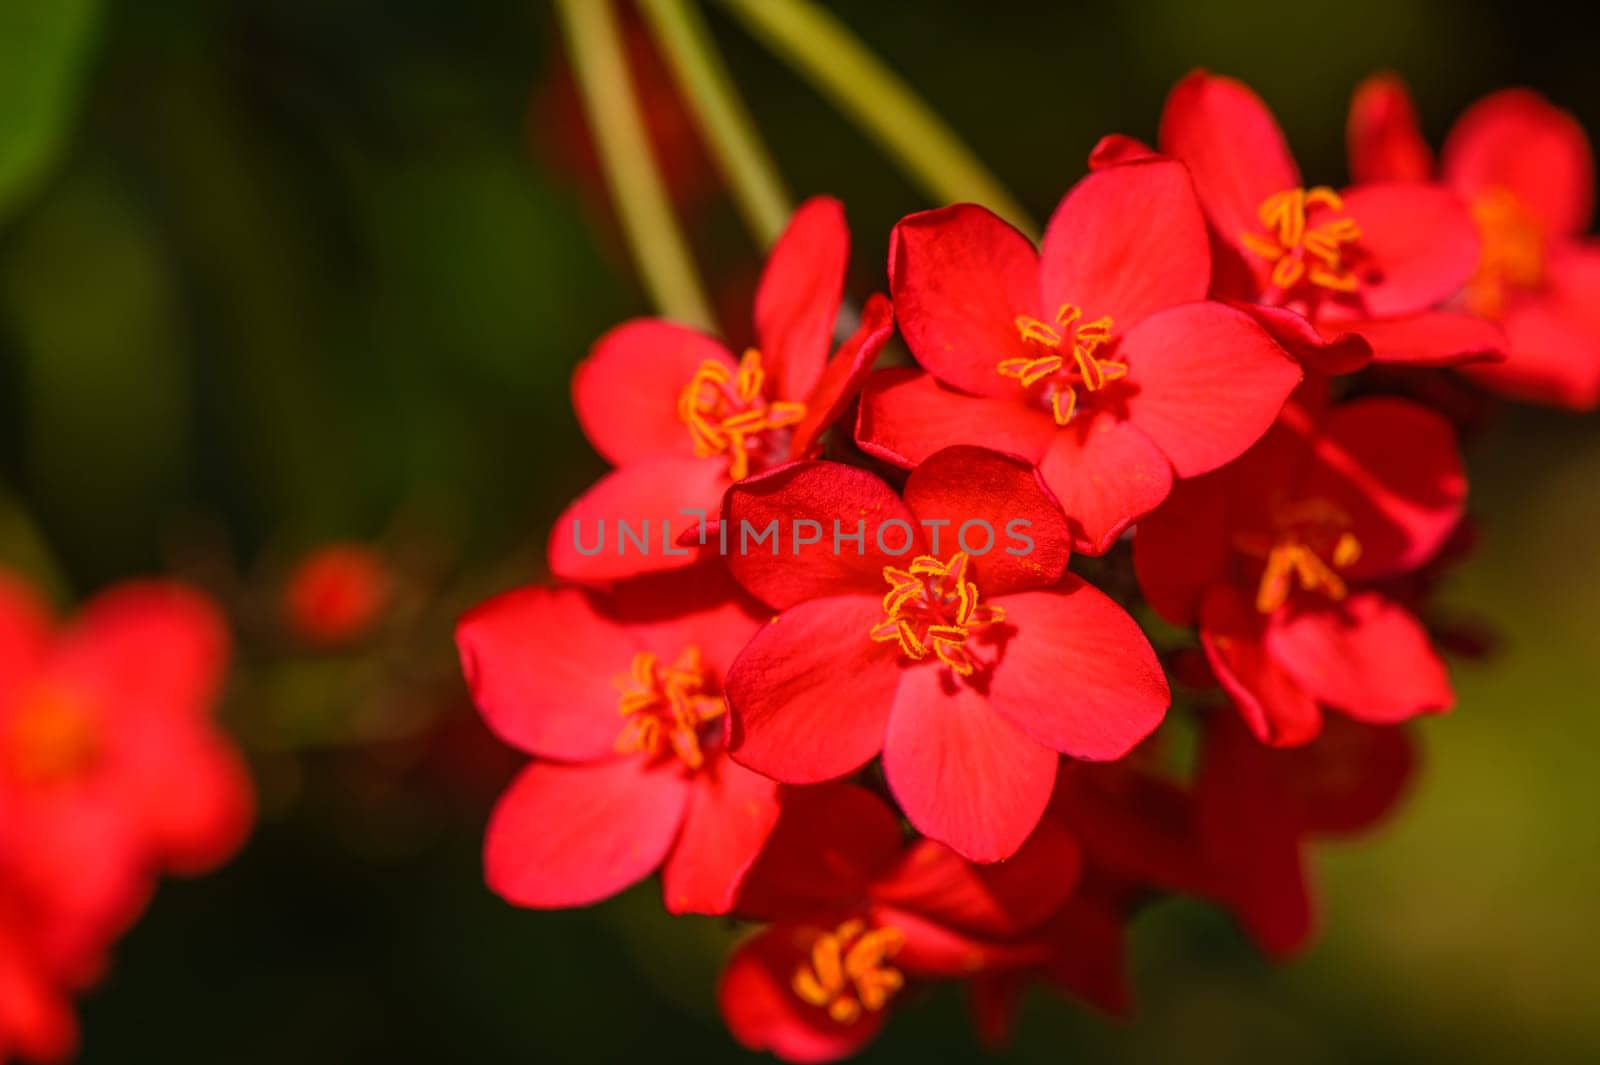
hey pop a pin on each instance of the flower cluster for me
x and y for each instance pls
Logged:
(111, 773)
(938, 756)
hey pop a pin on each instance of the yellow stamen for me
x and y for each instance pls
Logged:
(932, 607)
(1310, 544)
(727, 412)
(849, 972)
(1513, 255)
(1300, 251)
(1069, 362)
(666, 707)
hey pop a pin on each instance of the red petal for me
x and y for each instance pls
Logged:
(763, 1013)
(841, 499)
(1078, 676)
(798, 298)
(962, 773)
(959, 277)
(1343, 351)
(1418, 245)
(626, 391)
(1207, 382)
(1433, 338)
(1353, 776)
(655, 491)
(730, 818)
(1114, 149)
(1091, 957)
(160, 647)
(1252, 831)
(1003, 900)
(570, 835)
(1365, 656)
(1553, 336)
(810, 695)
(982, 497)
(1233, 148)
(1126, 242)
(700, 607)
(1106, 474)
(1184, 547)
(1278, 710)
(541, 665)
(195, 798)
(906, 415)
(1393, 468)
(24, 631)
(1516, 140)
(842, 377)
(36, 1021)
(829, 844)
(1384, 139)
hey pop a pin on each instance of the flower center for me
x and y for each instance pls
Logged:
(847, 971)
(1300, 251)
(1513, 252)
(52, 739)
(727, 412)
(1067, 362)
(932, 607)
(1310, 543)
(665, 706)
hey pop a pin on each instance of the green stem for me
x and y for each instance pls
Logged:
(743, 160)
(653, 236)
(824, 50)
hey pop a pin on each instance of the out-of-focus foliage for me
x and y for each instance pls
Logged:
(44, 47)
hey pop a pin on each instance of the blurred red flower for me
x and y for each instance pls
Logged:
(336, 593)
(1526, 170)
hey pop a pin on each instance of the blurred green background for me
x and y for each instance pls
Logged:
(274, 272)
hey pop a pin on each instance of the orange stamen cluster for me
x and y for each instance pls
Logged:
(727, 412)
(932, 608)
(1311, 544)
(52, 738)
(1300, 251)
(1070, 361)
(847, 972)
(665, 706)
(1513, 252)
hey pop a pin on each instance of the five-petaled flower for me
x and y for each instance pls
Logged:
(681, 418)
(855, 913)
(111, 773)
(1271, 556)
(620, 698)
(1526, 171)
(968, 671)
(1096, 357)
(1340, 277)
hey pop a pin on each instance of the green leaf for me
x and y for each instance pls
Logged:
(44, 51)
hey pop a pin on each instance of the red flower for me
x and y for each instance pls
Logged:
(336, 593)
(681, 418)
(1275, 553)
(1526, 170)
(620, 698)
(1337, 276)
(969, 667)
(1256, 809)
(1095, 357)
(111, 772)
(857, 914)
